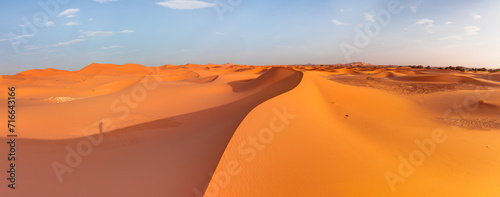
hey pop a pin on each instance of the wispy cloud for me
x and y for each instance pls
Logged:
(102, 33)
(99, 33)
(110, 47)
(72, 23)
(42, 51)
(369, 17)
(338, 23)
(453, 37)
(476, 16)
(50, 24)
(414, 8)
(3, 39)
(104, 1)
(448, 23)
(471, 30)
(69, 12)
(185, 4)
(414, 5)
(424, 21)
(69, 42)
(31, 47)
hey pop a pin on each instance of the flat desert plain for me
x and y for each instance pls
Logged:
(237, 130)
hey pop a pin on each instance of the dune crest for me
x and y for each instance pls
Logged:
(242, 130)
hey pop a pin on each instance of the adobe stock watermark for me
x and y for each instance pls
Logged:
(29, 28)
(223, 6)
(249, 150)
(124, 104)
(417, 157)
(427, 147)
(469, 105)
(363, 37)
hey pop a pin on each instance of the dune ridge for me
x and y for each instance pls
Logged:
(145, 149)
(243, 130)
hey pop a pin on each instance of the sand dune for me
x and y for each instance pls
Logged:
(204, 79)
(176, 152)
(241, 130)
(440, 78)
(321, 152)
(386, 74)
(274, 75)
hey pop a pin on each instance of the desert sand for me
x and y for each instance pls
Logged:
(241, 130)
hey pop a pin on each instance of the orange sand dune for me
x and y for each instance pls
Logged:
(274, 75)
(440, 78)
(204, 79)
(241, 130)
(318, 151)
(175, 152)
(386, 74)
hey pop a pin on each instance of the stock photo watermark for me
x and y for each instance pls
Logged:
(363, 37)
(427, 147)
(224, 6)
(248, 149)
(30, 26)
(123, 105)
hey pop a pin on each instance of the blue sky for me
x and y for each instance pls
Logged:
(70, 34)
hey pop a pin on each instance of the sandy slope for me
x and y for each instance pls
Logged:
(165, 157)
(319, 151)
(255, 131)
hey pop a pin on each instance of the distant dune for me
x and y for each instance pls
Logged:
(242, 130)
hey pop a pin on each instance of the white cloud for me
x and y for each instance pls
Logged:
(369, 17)
(104, 1)
(424, 21)
(471, 30)
(72, 23)
(453, 37)
(110, 47)
(127, 31)
(91, 19)
(336, 22)
(414, 8)
(3, 39)
(69, 42)
(99, 33)
(476, 16)
(47, 50)
(185, 4)
(24, 36)
(50, 24)
(448, 23)
(31, 47)
(69, 12)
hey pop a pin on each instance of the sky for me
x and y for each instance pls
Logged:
(71, 34)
